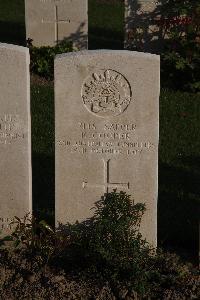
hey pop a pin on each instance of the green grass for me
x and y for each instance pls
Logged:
(179, 169)
(179, 151)
(12, 11)
(106, 24)
(12, 23)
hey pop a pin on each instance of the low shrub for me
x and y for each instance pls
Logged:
(104, 257)
(111, 239)
(42, 58)
(38, 238)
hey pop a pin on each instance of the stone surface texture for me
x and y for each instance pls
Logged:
(49, 22)
(15, 135)
(106, 114)
(140, 28)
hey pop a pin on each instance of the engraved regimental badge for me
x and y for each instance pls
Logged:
(106, 93)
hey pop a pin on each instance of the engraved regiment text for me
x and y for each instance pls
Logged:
(10, 129)
(113, 138)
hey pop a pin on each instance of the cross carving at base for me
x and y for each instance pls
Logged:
(56, 22)
(107, 184)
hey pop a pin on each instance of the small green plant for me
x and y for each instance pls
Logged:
(115, 236)
(42, 58)
(111, 241)
(37, 237)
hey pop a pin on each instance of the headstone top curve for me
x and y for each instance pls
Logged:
(109, 52)
(14, 48)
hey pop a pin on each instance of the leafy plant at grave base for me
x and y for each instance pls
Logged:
(42, 58)
(180, 22)
(111, 244)
(37, 237)
(106, 248)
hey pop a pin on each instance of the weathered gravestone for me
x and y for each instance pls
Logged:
(106, 114)
(48, 22)
(15, 135)
(141, 31)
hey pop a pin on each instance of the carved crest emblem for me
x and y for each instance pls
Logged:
(106, 93)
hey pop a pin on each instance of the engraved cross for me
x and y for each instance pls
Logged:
(107, 184)
(56, 21)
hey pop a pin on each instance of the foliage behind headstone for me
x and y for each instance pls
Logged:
(181, 58)
(42, 58)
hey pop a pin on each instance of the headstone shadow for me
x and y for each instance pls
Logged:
(42, 110)
(179, 204)
(43, 175)
(79, 37)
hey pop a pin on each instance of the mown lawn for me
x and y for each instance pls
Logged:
(106, 19)
(179, 169)
(179, 151)
(12, 24)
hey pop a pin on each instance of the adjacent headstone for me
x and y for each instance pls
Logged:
(49, 22)
(15, 135)
(141, 31)
(106, 115)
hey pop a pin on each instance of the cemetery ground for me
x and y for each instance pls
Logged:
(179, 159)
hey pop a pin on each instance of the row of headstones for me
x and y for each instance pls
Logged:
(106, 132)
(49, 22)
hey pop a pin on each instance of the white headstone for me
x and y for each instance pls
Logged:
(15, 135)
(49, 22)
(106, 115)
